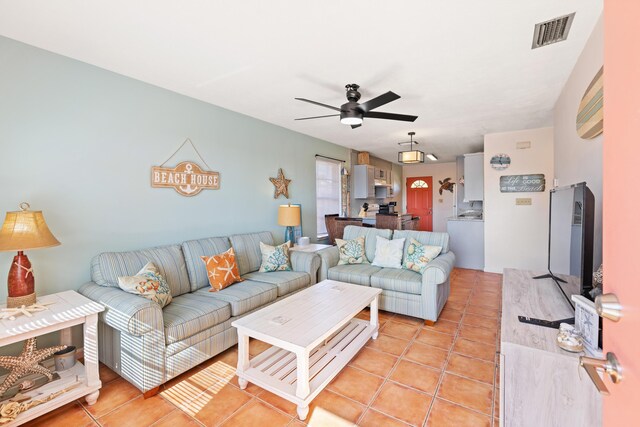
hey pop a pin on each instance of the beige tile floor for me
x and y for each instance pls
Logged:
(445, 375)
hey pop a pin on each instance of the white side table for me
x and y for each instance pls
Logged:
(69, 309)
(312, 247)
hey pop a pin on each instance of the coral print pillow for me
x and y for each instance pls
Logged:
(352, 251)
(275, 258)
(419, 255)
(147, 283)
(222, 270)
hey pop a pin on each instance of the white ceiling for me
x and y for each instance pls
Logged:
(465, 67)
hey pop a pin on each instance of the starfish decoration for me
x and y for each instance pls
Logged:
(281, 184)
(28, 362)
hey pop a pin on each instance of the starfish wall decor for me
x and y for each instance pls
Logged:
(28, 362)
(281, 185)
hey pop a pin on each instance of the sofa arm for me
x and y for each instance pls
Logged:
(438, 270)
(306, 262)
(125, 312)
(329, 257)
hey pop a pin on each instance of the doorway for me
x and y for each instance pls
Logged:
(420, 200)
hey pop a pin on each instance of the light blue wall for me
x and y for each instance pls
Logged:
(78, 142)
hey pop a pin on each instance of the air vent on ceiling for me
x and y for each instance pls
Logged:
(553, 31)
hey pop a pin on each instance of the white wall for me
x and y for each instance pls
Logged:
(577, 159)
(442, 204)
(516, 236)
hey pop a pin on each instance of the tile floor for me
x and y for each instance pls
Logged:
(445, 375)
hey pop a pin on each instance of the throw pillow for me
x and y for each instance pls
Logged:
(275, 258)
(388, 252)
(352, 251)
(222, 270)
(147, 283)
(419, 255)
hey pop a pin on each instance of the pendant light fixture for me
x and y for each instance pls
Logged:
(411, 156)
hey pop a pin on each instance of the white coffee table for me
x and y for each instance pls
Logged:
(314, 334)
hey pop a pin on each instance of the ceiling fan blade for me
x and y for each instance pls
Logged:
(318, 103)
(378, 101)
(355, 126)
(318, 117)
(390, 116)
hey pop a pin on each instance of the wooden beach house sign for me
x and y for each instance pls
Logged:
(522, 183)
(187, 178)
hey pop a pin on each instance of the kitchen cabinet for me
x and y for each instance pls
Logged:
(466, 240)
(474, 177)
(383, 192)
(382, 176)
(364, 186)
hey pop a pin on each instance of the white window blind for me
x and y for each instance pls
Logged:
(327, 191)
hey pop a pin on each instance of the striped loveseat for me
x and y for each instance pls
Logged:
(403, 291)
(148, 345)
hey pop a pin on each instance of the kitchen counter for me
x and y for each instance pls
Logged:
(465, 218)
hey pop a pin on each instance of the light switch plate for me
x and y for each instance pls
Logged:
(521, 145)
(523, 201)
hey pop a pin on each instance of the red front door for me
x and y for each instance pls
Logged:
(419, 201)
(620, 208)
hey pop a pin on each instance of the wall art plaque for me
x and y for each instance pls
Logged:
(187, 178)
(522, 183)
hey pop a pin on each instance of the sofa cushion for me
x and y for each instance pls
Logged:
(244, 296)
(190, 314)
(194, 250)
(398, 279)
(247, 247)
(358, 274)
(425, 237)
(108, 266)
(369, 234)
(286, 281)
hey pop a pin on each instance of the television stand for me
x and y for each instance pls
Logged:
(553, 324)
(540, 384)
(549, 276)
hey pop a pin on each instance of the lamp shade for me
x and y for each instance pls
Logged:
(24, 230)
(288, 215)
(413, 156)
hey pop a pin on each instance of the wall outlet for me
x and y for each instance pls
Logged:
(521, 145)
(523, 201)
(440, 200)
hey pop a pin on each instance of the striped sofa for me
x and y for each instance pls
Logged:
(403, 291)
(148, 345)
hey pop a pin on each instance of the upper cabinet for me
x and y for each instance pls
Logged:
(474, 177)
(364, 186)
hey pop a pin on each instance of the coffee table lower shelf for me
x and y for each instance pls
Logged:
(275, 369)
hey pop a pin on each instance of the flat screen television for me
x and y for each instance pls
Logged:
(571, 212)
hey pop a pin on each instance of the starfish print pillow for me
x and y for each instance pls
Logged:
(147, 283)
(222, 270)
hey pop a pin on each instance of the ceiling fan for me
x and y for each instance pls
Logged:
(352, 113)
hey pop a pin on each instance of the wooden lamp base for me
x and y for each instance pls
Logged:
(21, 284)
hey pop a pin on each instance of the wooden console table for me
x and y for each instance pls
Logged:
(541, 384)
(68, 309)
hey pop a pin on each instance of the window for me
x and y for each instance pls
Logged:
(419, 184)
(327, 192)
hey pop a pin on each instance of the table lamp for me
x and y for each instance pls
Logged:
(289, 216)
(22, 230)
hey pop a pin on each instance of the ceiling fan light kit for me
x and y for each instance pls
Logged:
(352, 113)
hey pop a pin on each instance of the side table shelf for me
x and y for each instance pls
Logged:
(69, 309)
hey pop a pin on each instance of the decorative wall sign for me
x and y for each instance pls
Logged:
(281, 185)
(187, 178)
(522, 183)
(589, 121)
(500, 161)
